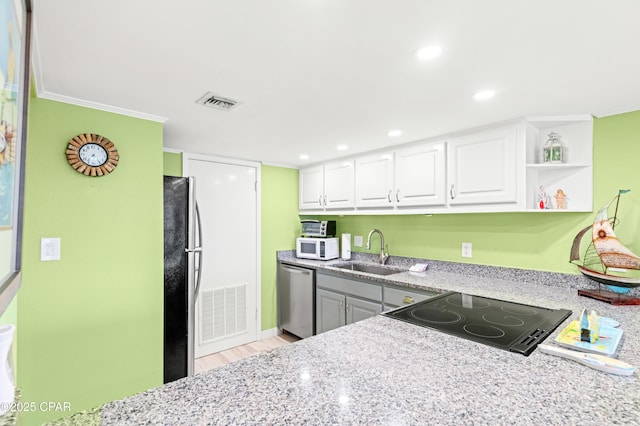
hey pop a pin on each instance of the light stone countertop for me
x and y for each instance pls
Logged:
(382, 371)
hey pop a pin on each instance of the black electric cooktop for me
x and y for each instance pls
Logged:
(506, 325)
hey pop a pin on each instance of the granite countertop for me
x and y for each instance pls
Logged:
(384, 371)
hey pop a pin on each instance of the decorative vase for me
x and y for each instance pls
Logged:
(7, 387)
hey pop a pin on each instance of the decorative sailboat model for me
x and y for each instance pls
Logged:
(605, 256)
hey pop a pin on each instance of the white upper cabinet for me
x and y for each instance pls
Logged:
(327, 187)
(420, 176)
(408, 177)
(493, 169)
(311, 188)
(374, 180)
(338, 185)
(482, 168)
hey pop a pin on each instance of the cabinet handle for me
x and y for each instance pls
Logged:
(408, 299)
(325, 201)
(320, 201)
(389, 196)
(398, 195)
(452, 192)
(341, 306)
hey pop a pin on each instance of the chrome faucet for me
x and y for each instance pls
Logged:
(383, 256)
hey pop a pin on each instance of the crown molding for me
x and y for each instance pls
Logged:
(618, 110)
(172, 150)
(99, 106)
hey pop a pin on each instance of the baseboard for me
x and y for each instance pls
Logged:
(272, 332)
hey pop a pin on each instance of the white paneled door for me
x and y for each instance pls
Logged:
(228, 196)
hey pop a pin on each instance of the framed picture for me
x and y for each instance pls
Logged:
(15, 29)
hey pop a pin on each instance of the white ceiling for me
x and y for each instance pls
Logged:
(312, 74)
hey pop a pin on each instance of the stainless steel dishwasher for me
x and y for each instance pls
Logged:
(296, 292)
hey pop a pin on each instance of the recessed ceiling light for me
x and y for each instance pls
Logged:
(304, 157)
(342, 147)
(394, 133)
(428, 52)
(484, 94)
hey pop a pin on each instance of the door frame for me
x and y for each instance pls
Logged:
(186, 156)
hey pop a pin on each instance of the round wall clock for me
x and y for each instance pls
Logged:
(92, 155)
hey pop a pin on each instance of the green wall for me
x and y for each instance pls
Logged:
(523, 240)
(280, 227)
(91, 323)
(540, 241)
(616, 153)
(172, 163)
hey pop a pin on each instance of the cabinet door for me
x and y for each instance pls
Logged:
(338, 185)
(420, 176)
(358, 309)
(330, 310)
(374, 180)
(482, 167)
(311, 188)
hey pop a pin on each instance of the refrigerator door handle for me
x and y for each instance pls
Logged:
(199, 251)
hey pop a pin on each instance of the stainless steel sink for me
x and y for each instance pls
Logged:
(368, 268)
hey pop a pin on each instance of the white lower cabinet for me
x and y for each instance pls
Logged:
(341, 301)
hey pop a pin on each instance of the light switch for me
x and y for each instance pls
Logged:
(49, 249)
(357, 241)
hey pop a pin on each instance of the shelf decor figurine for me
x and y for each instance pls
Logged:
(560, 199)
(543, 200)
(607, 260)
(553, 150)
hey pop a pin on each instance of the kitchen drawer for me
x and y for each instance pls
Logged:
(349, 286)
(399, 296)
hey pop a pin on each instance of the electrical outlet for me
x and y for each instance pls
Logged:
(466, 249)
(357, 241)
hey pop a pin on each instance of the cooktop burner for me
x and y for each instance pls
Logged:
(506, 325)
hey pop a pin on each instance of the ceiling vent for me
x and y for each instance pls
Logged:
(212, 100)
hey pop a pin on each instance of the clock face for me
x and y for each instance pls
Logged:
(93, 154)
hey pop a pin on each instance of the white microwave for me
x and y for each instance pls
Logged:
(317, 248)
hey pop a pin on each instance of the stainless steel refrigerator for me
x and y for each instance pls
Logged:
(182, 269)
